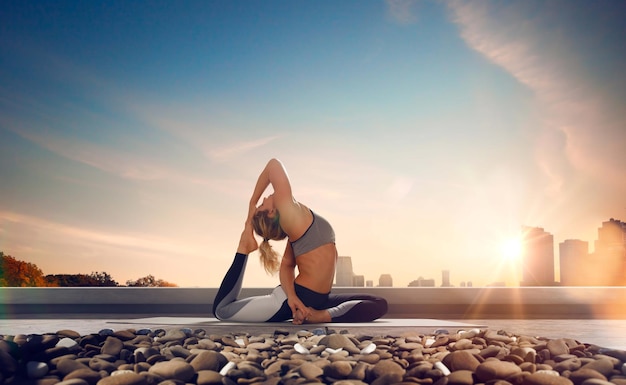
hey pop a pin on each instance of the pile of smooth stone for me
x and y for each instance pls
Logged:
(185, 356)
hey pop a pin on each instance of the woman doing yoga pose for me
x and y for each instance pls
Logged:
(305, 298)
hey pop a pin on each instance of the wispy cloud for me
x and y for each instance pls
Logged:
(528, 45)
(53, 230)
(106, 159)
(126, 165)
(202, 130)
(231, 150)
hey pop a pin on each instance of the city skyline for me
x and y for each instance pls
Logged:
(425, 132)
(539, 265)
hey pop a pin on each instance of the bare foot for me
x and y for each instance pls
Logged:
(247, 242)
(298, 318)
(318, 317)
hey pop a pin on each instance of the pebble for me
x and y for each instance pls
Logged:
(557, 347)
(385, 367)
(461, 360)
(172, 335)
(67, 343)
(186, 356)
(36, 369)
(337, 341)
(443, 368)
(173, 370)
(461, 377)
(582, 374)
(8, 364)
(338, 370)
(298, 347)
(310, 371)
(369, 349)
(496, 370)
(68, 333)
(545, 379)
(112, 346)
(209, 377)
(208, 360)
(224, 371)
(603, 366)
(126, 378)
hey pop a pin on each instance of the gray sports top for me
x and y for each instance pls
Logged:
(319, 233)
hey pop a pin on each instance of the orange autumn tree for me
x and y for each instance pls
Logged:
(14, 273)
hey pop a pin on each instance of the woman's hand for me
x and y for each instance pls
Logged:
(299, 310)
(247, 241)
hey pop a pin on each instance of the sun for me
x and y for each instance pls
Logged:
(511, 248)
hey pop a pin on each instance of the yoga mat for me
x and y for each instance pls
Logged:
(383, 322)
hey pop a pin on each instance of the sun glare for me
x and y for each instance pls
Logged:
(511, 248)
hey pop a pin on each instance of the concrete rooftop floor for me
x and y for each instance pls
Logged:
(606, 333)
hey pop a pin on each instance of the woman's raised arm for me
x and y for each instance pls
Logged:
(275, 174)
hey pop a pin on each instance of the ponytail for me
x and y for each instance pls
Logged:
(268, 228)
(269, 257)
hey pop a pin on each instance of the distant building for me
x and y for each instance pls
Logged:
(385, 280)
(369, 283)
(573, 261)
(422, 282)
(358, 280)
(344, 276)
(445, 278)
(537, 257)
(609, 257)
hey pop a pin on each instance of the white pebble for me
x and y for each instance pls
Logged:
(240, 342)
(118, 372)
(368, 349)
(36, 369)
(550, 372)
(301, 349)
(333, 351)
(227, 368)
(66, 343)
(429, 342)
(444, 369)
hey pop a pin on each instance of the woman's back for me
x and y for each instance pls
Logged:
(316, 268)
(314, 252)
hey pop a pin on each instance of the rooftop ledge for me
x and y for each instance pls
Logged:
(422, 302)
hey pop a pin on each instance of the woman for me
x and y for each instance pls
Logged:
(304, 298)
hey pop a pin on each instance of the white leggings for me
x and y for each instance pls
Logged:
(273, 307)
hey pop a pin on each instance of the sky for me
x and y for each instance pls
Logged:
(427, 132)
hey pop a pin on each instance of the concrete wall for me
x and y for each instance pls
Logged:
(426, 302)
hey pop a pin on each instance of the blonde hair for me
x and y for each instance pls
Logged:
(268, 228)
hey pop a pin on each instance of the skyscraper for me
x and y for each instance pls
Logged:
(358, 280)
(537, 257)
(573, 261)
(610, 254)
(385, 280)
(343, 272)
(445, 278)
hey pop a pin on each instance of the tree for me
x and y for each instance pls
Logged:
(14, 273)
(149, 281)
(103, 279)
(81, 280)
